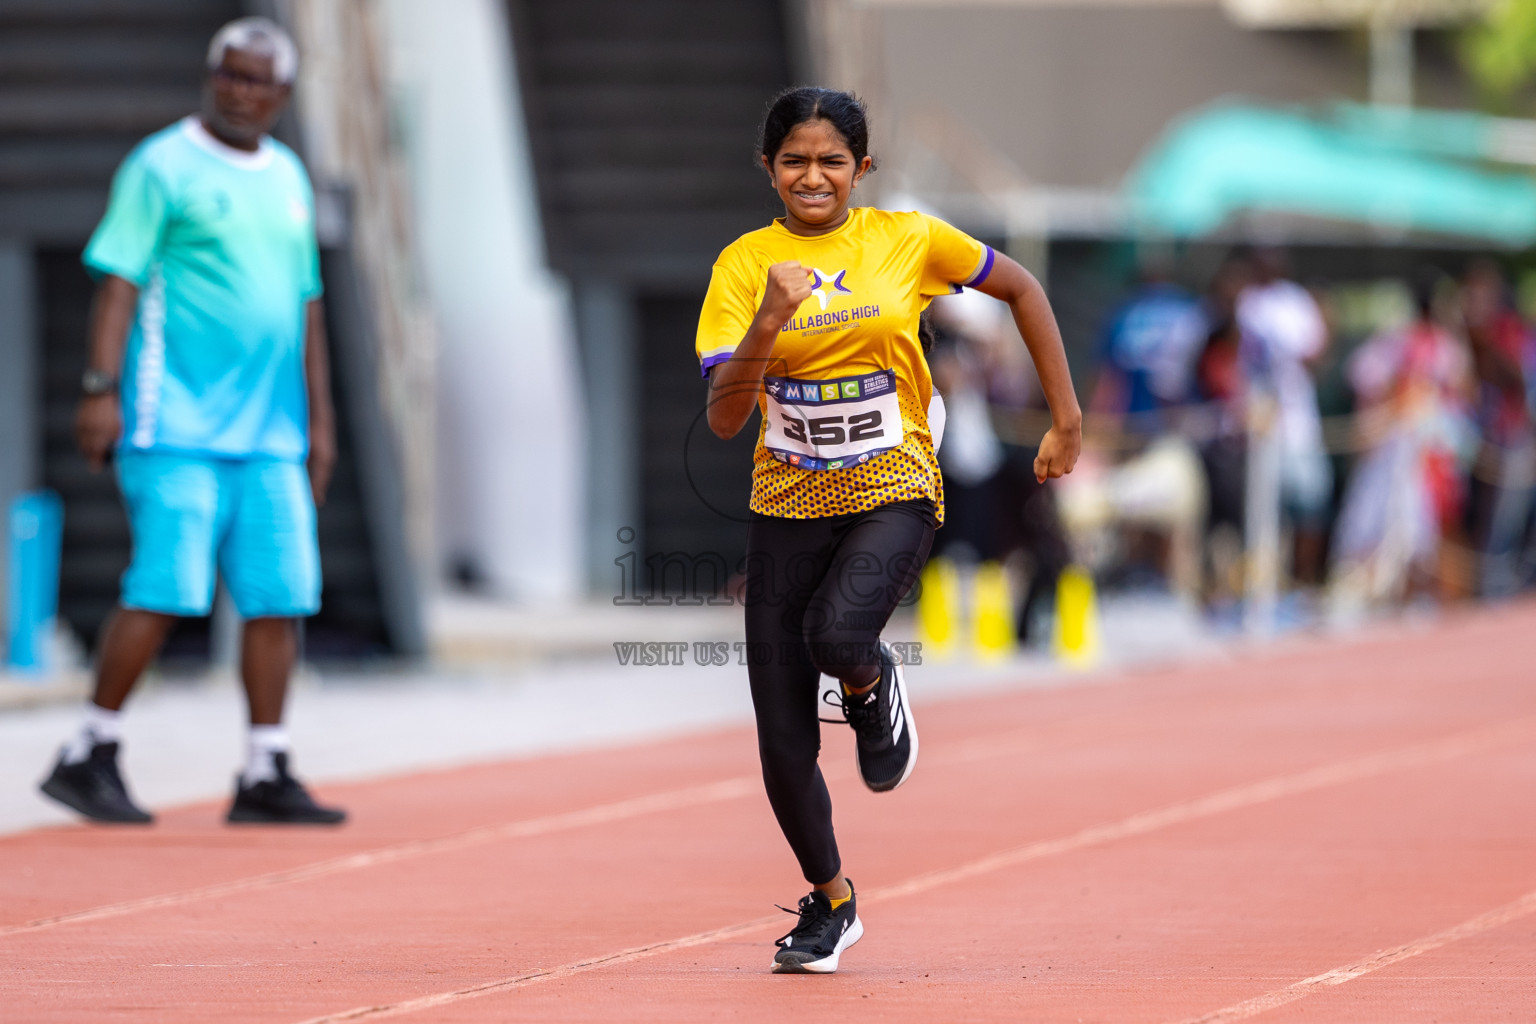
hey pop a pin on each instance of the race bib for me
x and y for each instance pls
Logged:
(832, 424)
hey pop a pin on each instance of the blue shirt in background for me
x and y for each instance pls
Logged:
(221, 244)
(1153, 341)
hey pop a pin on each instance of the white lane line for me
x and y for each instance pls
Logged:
(602, 814)
(1222, 801)
(1233, 799)
(1521, 907)
(563, 971)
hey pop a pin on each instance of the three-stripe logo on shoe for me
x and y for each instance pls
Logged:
(897, 720)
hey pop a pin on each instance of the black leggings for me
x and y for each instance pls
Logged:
(819, 591)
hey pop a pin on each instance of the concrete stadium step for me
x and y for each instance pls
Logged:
(16, 13)
(72, 54)
(660, 61)
(72, 110)
(64, 161)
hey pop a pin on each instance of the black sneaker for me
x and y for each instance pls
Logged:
(95, 788)
(820, 936)
(886, 745)
(280, 801)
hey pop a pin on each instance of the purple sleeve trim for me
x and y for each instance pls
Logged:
(986, 268)
(713, 361)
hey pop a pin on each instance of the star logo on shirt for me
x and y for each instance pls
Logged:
(820, 280)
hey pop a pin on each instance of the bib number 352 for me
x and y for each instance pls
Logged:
(830, 424)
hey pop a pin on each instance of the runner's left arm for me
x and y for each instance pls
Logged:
(322, 414)
(1032, 314)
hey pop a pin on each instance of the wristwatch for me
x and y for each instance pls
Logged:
(97, 382)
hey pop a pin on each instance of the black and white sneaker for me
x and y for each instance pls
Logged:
(280, 801)
(819, 937)
(886, 743)
(95, 788)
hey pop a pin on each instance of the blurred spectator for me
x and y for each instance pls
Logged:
(1221, 433)
(1283, 337)
(208, 383)
(1147, 360)
(1143, 486)
(1413, 388)
(995, 507)
(971, 453)
(1501, 487)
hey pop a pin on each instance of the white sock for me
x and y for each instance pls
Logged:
(265, 741)
(98, 726)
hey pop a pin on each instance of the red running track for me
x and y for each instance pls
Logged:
(1331, 832)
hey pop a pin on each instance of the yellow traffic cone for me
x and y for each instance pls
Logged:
(992, 614)
(938, 609)
(1076, 639)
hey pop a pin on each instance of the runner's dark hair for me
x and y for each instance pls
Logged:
(793, 107)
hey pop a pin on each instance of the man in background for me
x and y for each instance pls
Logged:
(1147, 361)
(1146, 376)
(207, 377)
(1284, 336)
(1503, 351)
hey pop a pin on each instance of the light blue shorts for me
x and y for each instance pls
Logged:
(252, 520)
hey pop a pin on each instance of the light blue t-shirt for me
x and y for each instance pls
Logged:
(221, 244)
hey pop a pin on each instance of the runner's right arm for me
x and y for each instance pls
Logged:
(734, 384)
(99, 418)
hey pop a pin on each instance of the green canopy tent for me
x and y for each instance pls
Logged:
(1395, 170)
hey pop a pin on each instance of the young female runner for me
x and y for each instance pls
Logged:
(813, 320)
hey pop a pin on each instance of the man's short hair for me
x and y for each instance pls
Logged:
(260, 36)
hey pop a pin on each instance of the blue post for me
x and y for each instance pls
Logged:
(36, 535)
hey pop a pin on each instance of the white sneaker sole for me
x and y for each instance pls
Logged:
(910, 725)
(827, 964)
(906, 711)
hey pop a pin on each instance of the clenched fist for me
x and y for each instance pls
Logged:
(789, 284)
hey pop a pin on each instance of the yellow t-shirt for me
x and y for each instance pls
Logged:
(874, 275)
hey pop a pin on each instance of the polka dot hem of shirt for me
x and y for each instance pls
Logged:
(905, 473)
